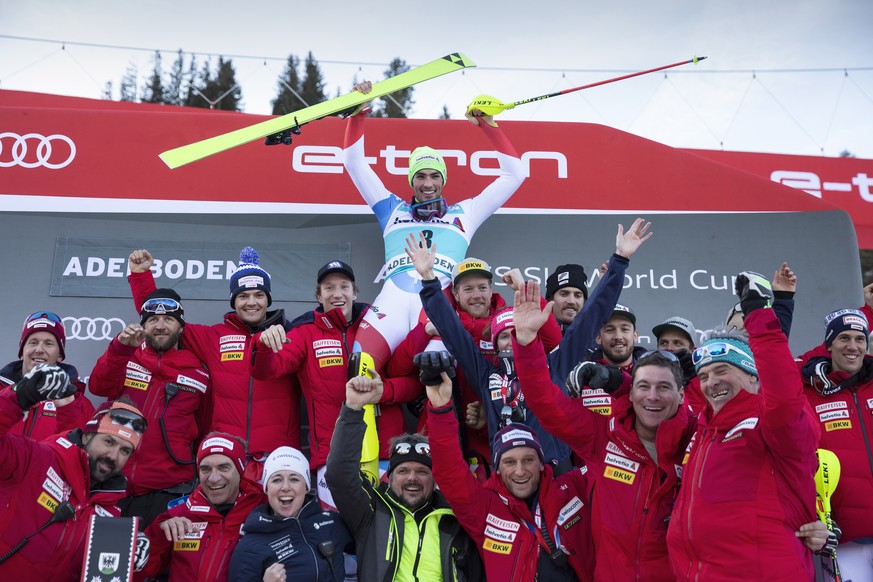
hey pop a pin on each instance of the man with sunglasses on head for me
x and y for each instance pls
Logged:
(266, 413)
(748, 478)
(404, 529)
(43, 341)
(147, 364)
(51, 488)
(452, 226)
(634, 456)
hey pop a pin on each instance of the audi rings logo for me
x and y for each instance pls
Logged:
(92, 328)
(33, 150)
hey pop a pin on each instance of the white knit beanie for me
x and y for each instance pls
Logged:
(286, 459)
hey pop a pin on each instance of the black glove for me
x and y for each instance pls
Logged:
(687, 365)
(834, 535)
(754, 291)
(595, 376)
(141, 557)
(44, 382)
(432, 364)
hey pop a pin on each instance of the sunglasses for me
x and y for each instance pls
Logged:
(33, 318)
(663, 353)
(160, 306)
(128, 418)
(716, 350)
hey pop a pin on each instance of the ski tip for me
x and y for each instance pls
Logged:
(172, 161)
(460, 59)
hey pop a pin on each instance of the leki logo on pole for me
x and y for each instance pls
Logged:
(15, 150)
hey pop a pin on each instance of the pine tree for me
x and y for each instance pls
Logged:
(223, 90)
(127, 86)
(107, 91)
(312, 87)
(153, 90)
(399, 103)
(201, 91)
(288, 96)
(445, 114)
(193, 83)
(173, 91)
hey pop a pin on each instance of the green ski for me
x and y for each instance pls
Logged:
(207, 147)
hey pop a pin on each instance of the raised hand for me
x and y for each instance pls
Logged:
(527, 316)
(784, 279)
(627, 243)
(140, 261)
(273, 337)
(421, 256)
(361, 390)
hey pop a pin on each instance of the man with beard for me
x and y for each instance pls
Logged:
(194, 541)
(568, 288)
(266, 413)
(146, 364)
(403, 529)
(52, 488)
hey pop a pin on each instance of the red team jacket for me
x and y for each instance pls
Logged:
(633, 495)
(264, 413)
(204, 554)
(497, 521)
(748, 481)
(142, 374)
(318, 353)
(34, 478)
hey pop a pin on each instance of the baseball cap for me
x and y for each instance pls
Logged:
(335, 267)
(624, 311)
(471, 266)
(679, 323)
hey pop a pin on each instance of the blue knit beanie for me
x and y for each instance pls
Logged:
(249, 276)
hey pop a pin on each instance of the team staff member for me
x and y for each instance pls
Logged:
(317, 350)
(403, 529)
(838, 382)
(145, 363)
(67, 478)
(395, 311)
(266, 413)
(567, 286)
(633, 457)
(43, 339)
(527, 524)
(501, 393)
(194, 541)
(748, 483)
(290, 537)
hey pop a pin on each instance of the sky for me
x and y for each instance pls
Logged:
(736, 100)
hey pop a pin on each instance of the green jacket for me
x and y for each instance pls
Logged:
(382, 526)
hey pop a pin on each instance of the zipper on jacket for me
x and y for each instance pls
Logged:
(644, 521)
(214, 553)
(696, 481)
(308, 545)
(249, 414)
(862, 427)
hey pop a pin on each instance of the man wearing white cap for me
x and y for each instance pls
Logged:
(290, 537)
(451, 226)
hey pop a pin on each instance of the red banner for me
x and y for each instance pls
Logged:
(102, 156)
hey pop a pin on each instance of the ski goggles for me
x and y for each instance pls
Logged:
(663, 353)
(724, 351)
(43, 317)
(425, 211)
(128, 418)
(161, 305)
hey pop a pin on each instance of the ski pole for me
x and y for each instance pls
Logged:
(492, 106)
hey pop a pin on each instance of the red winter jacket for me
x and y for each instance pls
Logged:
(44, 419)
(633, 495)
(318, 353)
(846, 419)
(748, 482)
(264, 413)
(142, 374)
(34, 478)
(204, 554)
(498, 522)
